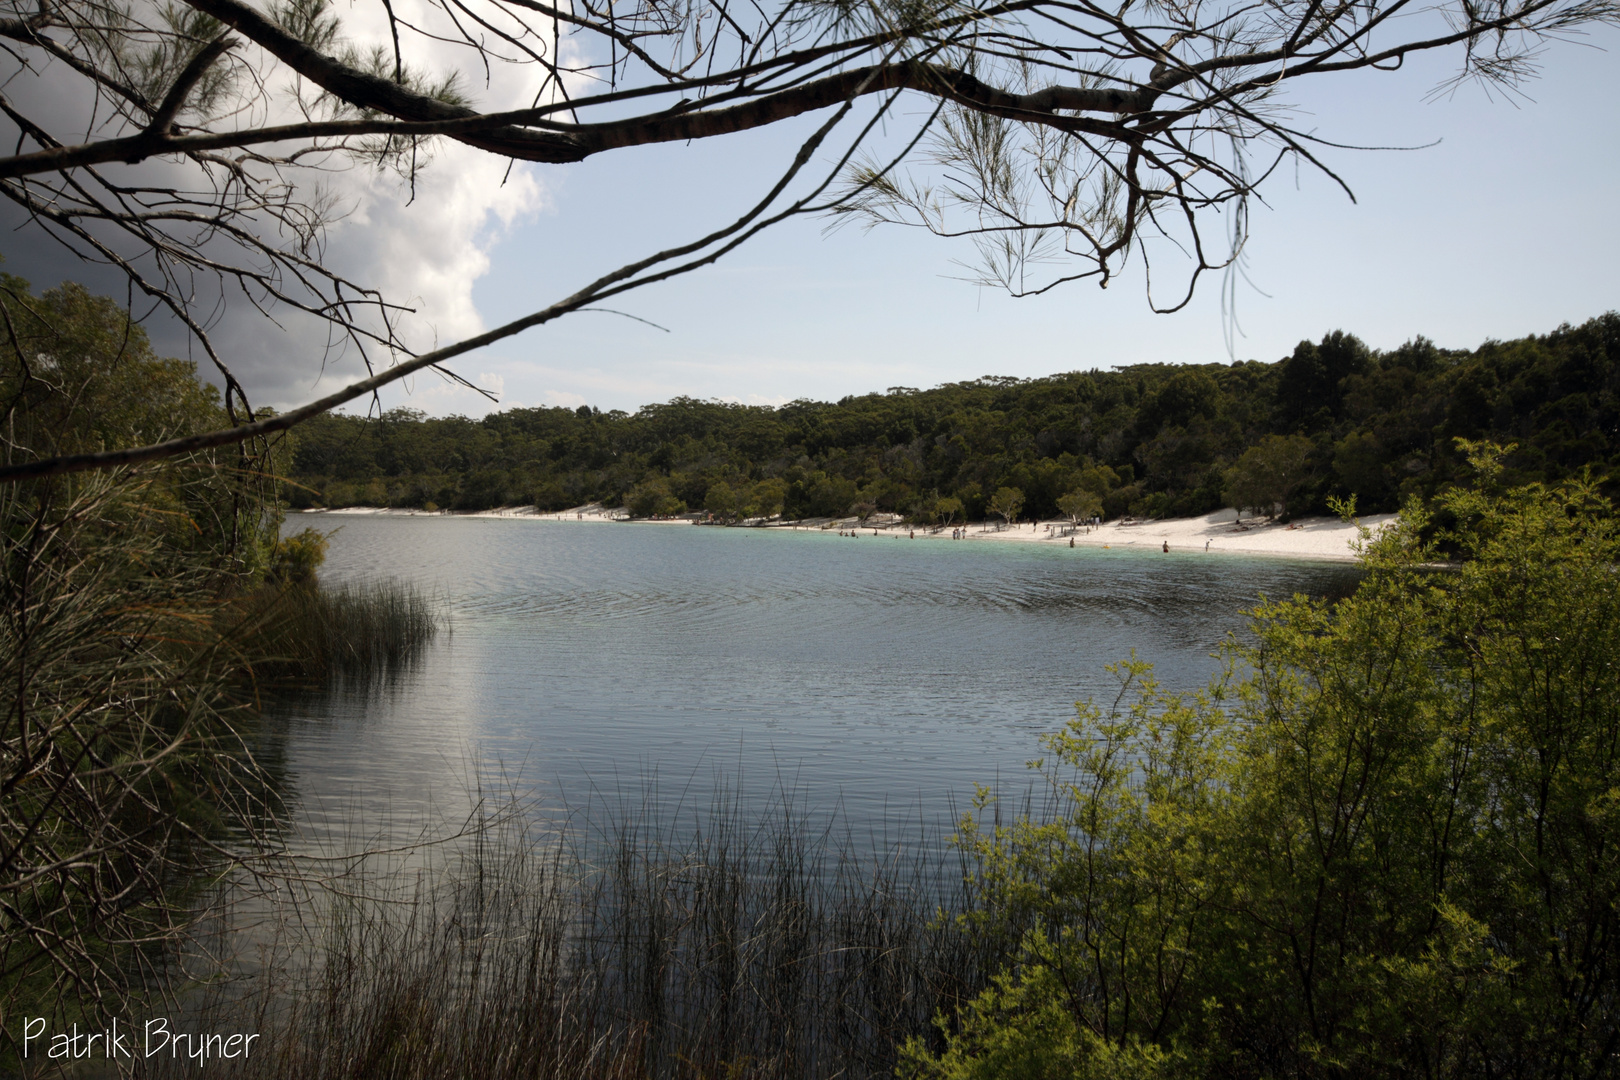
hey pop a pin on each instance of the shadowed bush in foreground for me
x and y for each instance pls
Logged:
(122, 749)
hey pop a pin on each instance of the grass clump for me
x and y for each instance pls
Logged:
(731, 945)
(308, 632)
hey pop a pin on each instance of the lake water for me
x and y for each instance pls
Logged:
(883, 677)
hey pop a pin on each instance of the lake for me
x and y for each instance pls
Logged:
(608, 661)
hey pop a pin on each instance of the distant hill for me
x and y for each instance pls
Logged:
(1155, 440)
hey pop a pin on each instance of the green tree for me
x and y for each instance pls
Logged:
(1392, 849)
(295, 559)
(829, 496)
(652, 498)
(1359, 459)
(1311, 384)
(722, 501)
(947, 509)
(1080, 505)
(122, 646)
(1268, 474)
(1006, 503)
(768, 497)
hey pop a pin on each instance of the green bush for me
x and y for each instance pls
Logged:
(295, 559)
(1385, 843)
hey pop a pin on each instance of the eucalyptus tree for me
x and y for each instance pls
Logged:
(1080, 505)
(1006, 503)
(1269, 473)
(186, 142)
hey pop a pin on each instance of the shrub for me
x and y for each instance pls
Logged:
(295, 559)
(1392, 848)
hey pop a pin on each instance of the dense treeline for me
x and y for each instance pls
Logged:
(1150, 439)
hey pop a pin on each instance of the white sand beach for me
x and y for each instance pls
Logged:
(1220, 532)
(591, 512)
(1214, 534)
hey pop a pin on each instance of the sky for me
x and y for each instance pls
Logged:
(1508, 225)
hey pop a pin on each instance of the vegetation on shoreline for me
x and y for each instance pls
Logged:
(121, 755)
(296, 630)
(1333, 419)
(137, 608)
(1390, 849)
(1385, 843)
(622, 943)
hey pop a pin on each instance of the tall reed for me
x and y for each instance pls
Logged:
(733, 945)
(365, 629)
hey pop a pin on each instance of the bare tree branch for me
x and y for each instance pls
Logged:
(1066, 137)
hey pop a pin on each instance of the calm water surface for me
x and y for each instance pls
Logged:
(881, 676)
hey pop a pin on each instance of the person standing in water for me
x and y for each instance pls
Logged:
(1167, 547)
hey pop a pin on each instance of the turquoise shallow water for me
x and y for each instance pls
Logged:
(882, 676)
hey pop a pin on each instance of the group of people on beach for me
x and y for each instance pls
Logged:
(961, 533)
(956, 534)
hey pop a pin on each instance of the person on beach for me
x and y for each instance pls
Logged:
(1071, 541)
(1167, 547)
(1206, 545)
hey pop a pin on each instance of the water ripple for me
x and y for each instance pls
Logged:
(879, 673)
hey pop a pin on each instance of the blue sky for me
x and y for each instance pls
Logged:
(1509, 226)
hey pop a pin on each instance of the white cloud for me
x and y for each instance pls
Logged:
(427, 252)
(424, 254)
(422, 246)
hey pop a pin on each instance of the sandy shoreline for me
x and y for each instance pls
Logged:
(1217, 533)
(1304, 538)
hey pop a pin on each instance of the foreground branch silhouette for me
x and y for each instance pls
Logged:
(184, 144)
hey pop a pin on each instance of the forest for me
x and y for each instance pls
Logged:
(1334, 419)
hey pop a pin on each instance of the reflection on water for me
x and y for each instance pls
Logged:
(884, 674)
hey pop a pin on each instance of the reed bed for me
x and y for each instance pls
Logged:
(623, 944)
(364, 629)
